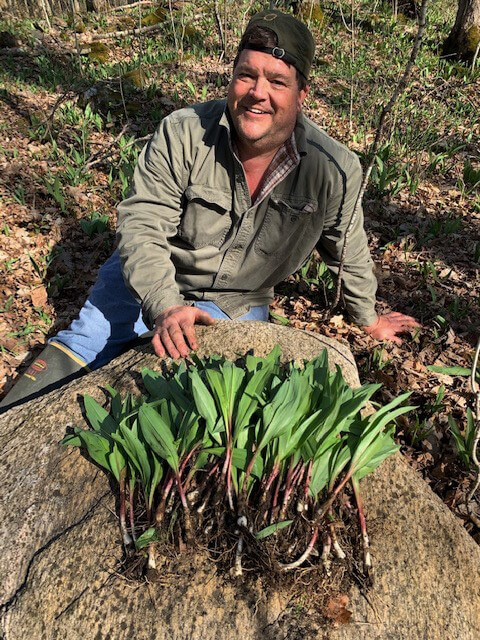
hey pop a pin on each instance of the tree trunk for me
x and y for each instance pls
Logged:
(465, 35)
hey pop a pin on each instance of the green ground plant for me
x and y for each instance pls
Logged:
(253, 449)
(464, 442)
(96, 223)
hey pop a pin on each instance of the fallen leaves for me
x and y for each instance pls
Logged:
(336, 610)
(39, 296)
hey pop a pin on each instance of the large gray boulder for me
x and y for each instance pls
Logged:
(60, 547)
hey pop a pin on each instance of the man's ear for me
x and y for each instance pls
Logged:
(302, 94)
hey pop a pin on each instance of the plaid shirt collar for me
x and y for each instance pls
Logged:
(284, 161)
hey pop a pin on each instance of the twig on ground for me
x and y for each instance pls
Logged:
(133, 5)
(476, 439)
(101, 155)
(128, 32)
(49, 119)
(401, 85)
(123, 99)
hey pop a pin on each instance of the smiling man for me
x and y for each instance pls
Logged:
(228, 199)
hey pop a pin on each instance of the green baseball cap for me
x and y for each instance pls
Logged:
(295, 43)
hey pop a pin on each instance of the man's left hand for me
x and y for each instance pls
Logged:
(388, 326)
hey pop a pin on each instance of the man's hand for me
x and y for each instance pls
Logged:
(388, 326)
(173, 325)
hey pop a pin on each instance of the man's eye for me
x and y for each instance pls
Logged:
(278, 83)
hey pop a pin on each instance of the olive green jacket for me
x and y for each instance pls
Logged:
(189, 231)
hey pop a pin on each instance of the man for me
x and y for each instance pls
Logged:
(227, 200)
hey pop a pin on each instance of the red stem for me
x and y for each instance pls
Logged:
(294, 477)
(213, 470)
(180, 491)
(272, 477)
(132, 517)
(187, 458)
(123, 524)
(309, 479)
(277, 490)
(166, 490)
(305, 554)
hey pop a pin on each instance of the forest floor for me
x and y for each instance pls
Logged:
(71, 127)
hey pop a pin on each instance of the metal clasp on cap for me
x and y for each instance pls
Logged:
(277, 52)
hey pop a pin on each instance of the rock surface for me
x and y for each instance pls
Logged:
(60, 546)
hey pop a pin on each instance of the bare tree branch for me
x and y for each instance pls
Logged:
(106, 152)
(134, 4)
(130, 32)
(220, 30)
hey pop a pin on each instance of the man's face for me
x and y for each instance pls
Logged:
(263, 100)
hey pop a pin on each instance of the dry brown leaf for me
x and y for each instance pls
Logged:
(336, 609)
(336, 321)
(77, 194)
(443, 378)
(39, 296)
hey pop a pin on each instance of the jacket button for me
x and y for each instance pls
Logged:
(224, 277)
(293, 218)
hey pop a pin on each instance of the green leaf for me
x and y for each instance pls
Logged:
(98, 448)
(281, 411)
(155, 479)
(117, 461)
(189, 432)
(470, 431)
(147, 537)
(136, 452)
(158, 435)
(241, 458)
(99, 418)
(116, 406)
(381, 448)
(280, 319)
(225, 384)
(204, 401)
(277, 526)
(460, 442)
(72, 440)
(452, 371)
(155, 384)
(249, 400)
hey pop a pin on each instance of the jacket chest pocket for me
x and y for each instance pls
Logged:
(287, 219)
(206, 217)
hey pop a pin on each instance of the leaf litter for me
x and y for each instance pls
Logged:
(425, 245)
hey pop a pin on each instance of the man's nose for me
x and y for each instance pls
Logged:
(258, 90)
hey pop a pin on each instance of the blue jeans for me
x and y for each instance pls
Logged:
(111, 318)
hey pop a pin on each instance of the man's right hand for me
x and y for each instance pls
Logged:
(173, 326)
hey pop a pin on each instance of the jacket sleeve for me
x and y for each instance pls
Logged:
(147, 218)
(359, 282)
